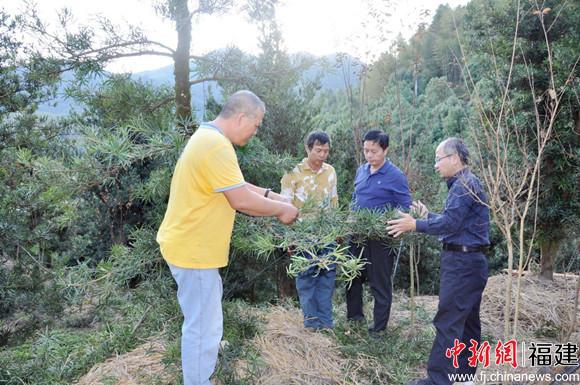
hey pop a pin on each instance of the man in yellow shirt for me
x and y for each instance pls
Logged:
(206, 190)
(314, 181)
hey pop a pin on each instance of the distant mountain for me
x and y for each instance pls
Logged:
(337, 70)
(332, 68)
(63, 104)
(164, 76)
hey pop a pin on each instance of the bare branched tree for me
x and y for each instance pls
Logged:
(510, 156)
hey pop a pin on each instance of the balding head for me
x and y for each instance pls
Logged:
(456, 146)
(245, 102)
(451, 156)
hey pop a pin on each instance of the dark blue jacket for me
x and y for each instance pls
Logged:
(465, 219)
(387, 188)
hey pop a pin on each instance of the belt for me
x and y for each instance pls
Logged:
(464, 249)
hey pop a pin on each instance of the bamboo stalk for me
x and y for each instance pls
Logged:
(574, 311)
(412, 288)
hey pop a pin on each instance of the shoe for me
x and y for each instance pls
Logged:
(325, 330)
(356, 319)
(377, 336)
(422, 381)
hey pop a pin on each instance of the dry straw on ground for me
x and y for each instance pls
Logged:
(291, 355)
(295, 356)
(143, 365)
(546, 307)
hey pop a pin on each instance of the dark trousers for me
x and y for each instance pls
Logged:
(463, 277)
(377, 272)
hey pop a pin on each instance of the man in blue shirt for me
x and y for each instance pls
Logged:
(378, 185)
(463, 228)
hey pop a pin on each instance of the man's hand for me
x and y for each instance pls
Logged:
(279, 198)
(399, 226)
(288, 215)
(420, 209)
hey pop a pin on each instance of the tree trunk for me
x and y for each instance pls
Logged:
(181, 66)
(548, 251)
(507, 312)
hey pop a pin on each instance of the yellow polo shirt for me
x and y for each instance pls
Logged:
(197, 227)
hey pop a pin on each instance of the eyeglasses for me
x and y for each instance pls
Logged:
(439, 159)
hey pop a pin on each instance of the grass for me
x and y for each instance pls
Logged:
(60, 354)
(241, 324)
(63, 350)
(393, 358)
(398, 352)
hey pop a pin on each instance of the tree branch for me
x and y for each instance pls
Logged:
(160, 103)
(212, 78)
(136, 53)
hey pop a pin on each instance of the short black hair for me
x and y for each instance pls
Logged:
(456, 146)
(377, 136)
(316, 136)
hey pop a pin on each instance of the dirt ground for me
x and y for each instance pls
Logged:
(292, 355)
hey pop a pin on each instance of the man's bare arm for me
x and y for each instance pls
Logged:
(247, 201)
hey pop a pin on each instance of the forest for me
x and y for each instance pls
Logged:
(83, 284)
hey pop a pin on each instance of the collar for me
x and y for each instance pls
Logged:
(460, 174)
(304, 166)
(211, 127)
(382, 170)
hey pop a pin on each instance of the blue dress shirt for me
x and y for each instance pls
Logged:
(465, 219)
(387, 188)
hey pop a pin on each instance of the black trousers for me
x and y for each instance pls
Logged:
(377, 273)
(463, 277)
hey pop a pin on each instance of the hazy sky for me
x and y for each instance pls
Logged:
(316, 26)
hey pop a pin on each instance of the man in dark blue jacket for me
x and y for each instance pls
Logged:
(378, 185)
(463, 228)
